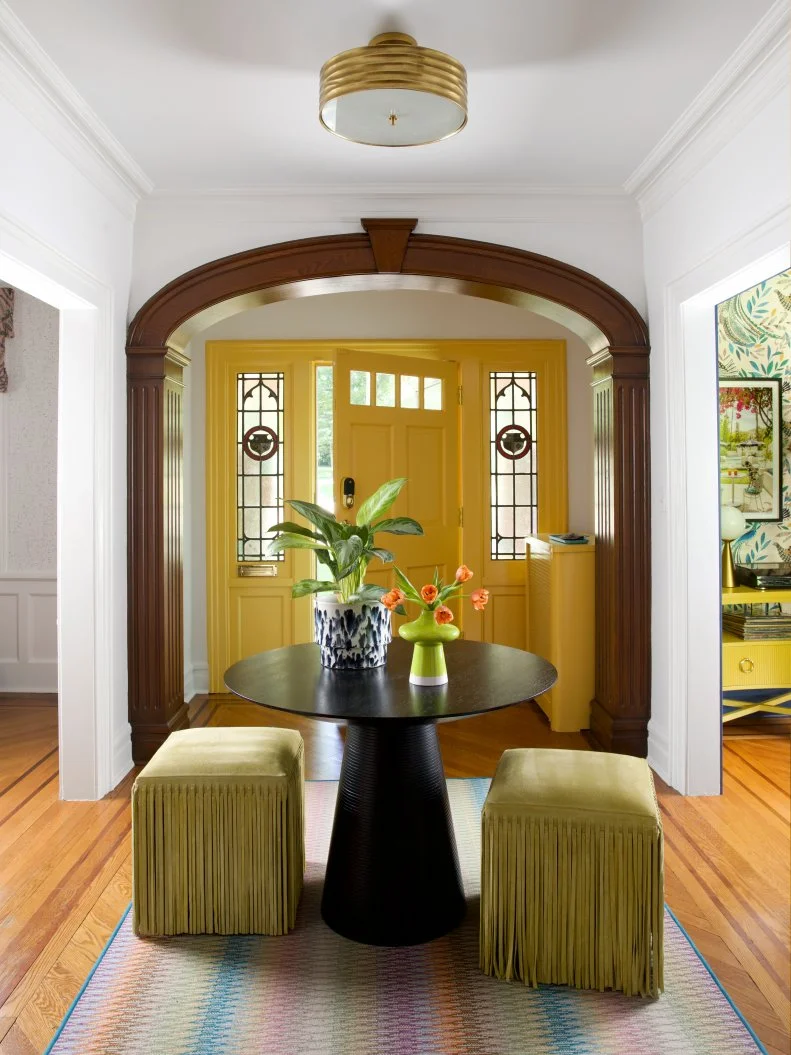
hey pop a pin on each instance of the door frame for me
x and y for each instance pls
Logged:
(93, 734)
(474, 358)
(390, 255)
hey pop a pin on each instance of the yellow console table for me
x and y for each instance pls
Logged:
(750, 665)
(561, 625)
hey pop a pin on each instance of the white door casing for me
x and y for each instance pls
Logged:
(95, 746)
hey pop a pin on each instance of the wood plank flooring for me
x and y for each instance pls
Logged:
(65, 868)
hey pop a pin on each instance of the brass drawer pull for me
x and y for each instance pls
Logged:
(746, 666)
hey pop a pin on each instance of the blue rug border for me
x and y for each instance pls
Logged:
(719, 984)
(85, 984)
(668, 909)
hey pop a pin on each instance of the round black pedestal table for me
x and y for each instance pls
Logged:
(393, 871)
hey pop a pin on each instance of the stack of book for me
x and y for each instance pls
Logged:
(757, 627)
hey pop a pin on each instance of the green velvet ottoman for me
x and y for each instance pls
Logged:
(217, 833)
(572, 872)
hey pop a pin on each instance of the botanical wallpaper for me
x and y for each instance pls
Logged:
(754, 341)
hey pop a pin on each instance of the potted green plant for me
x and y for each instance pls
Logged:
(352, 627)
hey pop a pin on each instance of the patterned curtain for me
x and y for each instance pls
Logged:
(6, 330)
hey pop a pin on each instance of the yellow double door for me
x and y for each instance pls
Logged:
(395, 410)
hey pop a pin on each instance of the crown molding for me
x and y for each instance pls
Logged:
(355, 191)
(40, 91)
(754, 73)
(466, 204)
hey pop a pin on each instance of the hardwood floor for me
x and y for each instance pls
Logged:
(65, 869)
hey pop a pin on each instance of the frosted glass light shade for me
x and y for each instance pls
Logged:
(732, 523)
(393, 93)
(392, 117)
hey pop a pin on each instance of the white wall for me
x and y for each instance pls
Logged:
(396, 315)
(29, 413)
(66, 221)
(722, 226)
(599, 233)
(28, 490)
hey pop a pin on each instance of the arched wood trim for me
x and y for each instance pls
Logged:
(389, 255)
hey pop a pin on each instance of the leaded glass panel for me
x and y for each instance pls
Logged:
(512, 462)
(259, 461)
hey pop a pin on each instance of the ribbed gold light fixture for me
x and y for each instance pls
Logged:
(393, 93)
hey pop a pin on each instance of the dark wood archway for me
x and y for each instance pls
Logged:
(613, 329)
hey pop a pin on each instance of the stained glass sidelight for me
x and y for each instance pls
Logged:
(513, 462)
(259, 453)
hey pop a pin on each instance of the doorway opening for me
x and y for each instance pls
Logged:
(754, 365)
(608, 324)
(332, 420)
(693, 756)
(28, 517)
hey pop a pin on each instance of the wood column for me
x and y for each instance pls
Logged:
(155, 529)
(622, 706)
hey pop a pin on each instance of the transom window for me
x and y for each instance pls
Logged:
(407, 391)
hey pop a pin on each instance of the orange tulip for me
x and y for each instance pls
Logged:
(443, 614)
(390, 601)
(463, 574)
(399, 595)
(429, 593)
(479, 598)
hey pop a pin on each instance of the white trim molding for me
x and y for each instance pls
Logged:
(40, 91)
(355, 191)
(28, 632)
(196, 680)
(432, 203)
(93, 728)
(756, 71)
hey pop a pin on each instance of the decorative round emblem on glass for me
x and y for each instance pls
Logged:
(513, 442)
(260, 443)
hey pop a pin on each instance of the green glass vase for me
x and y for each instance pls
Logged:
(428, 656)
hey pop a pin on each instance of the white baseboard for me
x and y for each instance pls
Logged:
(196, 680)
(189, 683)
(122, 754)
(28, 632)
(658, 752)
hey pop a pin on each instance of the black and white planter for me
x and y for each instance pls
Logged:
(351, 636)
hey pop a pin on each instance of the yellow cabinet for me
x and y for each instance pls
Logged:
(561, 625)
(752, 665)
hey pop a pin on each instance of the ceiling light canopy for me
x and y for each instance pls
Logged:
(393, 93)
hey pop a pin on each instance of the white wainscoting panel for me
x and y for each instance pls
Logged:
(28, 632)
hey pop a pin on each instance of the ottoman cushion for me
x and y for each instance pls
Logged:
(572, 871)
(217, 833)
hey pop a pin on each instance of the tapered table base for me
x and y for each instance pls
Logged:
(393, 870)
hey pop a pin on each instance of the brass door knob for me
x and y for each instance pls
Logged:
(746, 666)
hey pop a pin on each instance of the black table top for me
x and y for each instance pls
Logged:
(481, 678)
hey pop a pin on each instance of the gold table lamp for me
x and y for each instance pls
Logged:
(732, 525)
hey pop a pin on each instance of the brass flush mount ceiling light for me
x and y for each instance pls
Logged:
(393, 93)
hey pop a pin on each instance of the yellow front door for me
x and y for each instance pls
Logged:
(398, 416)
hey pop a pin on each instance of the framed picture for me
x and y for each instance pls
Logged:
(751, 446)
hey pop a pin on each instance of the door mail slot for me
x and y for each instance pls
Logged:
(259, 571)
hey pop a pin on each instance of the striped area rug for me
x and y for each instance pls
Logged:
(315, 992)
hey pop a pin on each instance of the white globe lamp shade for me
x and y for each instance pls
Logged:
(732, 523)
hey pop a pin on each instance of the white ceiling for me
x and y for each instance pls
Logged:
(207, 94)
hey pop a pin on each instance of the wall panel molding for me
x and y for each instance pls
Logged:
(28, 632)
